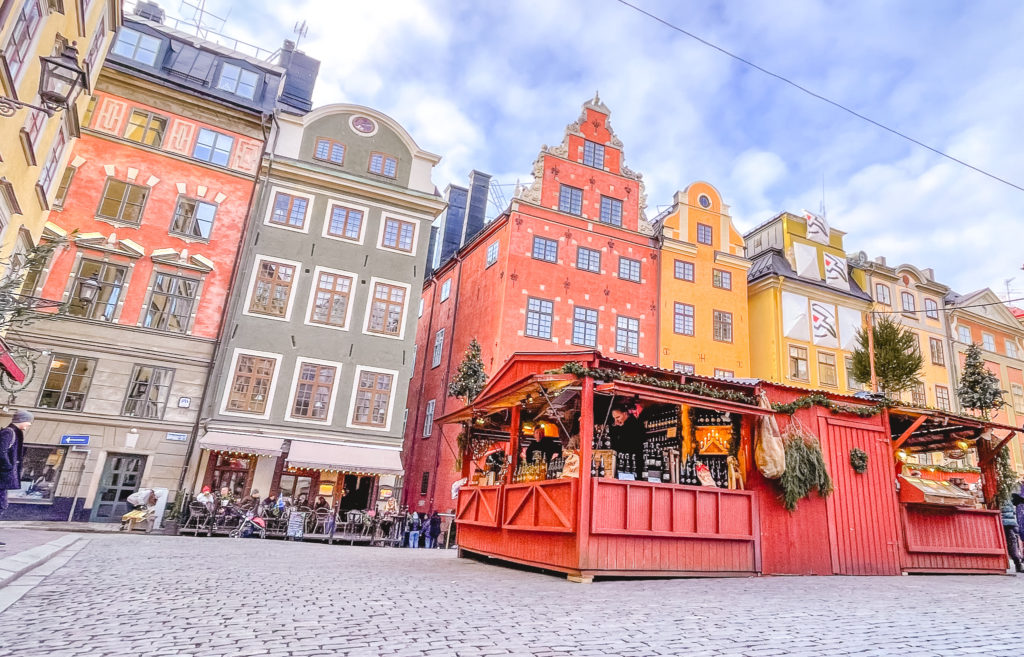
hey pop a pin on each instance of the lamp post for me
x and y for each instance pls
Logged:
(88, 289)
(59, 77)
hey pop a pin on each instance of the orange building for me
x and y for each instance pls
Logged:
(703, 305)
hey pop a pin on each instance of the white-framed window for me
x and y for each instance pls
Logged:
(988, 342)
(724, 374)
(908, 302)
(330, 299)
(420, 313)
(213, 147)
(883, 294)
(685, 368)
(1011, 348)
(140, 47)
(435, 359)
(1017, 393)
(492, 254)
(942, 398)
(627, 335)
(289, 210)
(49, 172)
(372, 400)
(386, 307)
(345, 220)
(237, 80)
(931, 309)
(428, 419)
(313, 391)
(193, 218)
(250, 385)
(271, 288)
(964, 334)
(446, 289)
(147, 392)
(19, 49)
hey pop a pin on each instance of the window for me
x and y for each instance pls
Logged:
(233, 472)
(19, 44)
(798, 363)
(942, 398)
(584, 327)
(593, 154)
(428, 420)
(917, 344)
(345, 222)
(331, 299)
(611, 211)
(123, 201)
(250, 386)
(627, 335)
(95, 46)
(446, 289)
(1011, 348)
(629, 269)
(273, 288)
(918, 396)
(931, 308)
(135, 45)
(721, 279)
(193, 218)
(545, 249)
(938, 356)
(294, 485)
(851, 383)
(110, 279)
(685, 368)
(384, 165)
(146, 128)
(329, 150)
(539, 316)
(190, 63)
(147, 392)
(683, 319)
(386, 309)
(313, 391)
(704, 234)
(907, 301)
(425, 483)
(588, 259)
(67, 383)
(372, 399)
(41, 468)
(34, 123)
(170, 303)
(988, 342)
(964, 333)
(398, 234)
(289, 210)
(492, 254)
(237, 80)
(1017, 392)
(827, 370)
(435, 359)
(63, 187)
(724, 374)
(49, 171)
(213, 147)
(722, 326)
(684, 270)
(570, 200)
(882, 294)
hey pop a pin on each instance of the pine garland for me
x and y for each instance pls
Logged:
(818, 399)
(805, 469)
(701, 389)
(944, 468)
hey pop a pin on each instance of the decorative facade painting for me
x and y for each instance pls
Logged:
(817, 227)
(794, 317)
(806, 256)
(823, 324)
(836, 274)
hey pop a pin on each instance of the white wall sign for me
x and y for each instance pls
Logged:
(177, 437)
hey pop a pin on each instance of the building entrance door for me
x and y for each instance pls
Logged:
(121, 476)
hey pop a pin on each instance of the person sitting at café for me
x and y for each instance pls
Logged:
(225, 498)
(250, 503)
(544, 445)
(302, 500)
(321, 503)
(205, 497)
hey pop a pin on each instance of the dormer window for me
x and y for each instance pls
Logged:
(593, 155)
(136, 46)
(237, 80)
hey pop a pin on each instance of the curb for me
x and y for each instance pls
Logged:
(16, 565)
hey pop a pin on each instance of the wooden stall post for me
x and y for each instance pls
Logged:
(586, 458)
(513, 444)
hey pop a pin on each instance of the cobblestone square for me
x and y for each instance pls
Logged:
(155, 596)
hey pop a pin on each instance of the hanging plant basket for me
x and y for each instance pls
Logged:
(859, 460)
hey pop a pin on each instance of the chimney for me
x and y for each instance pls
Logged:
(299, 77)
(929, 273)
(151, 11)
(880, 260)
(476, 211)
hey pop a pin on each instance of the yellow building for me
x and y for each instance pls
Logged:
(703, 326)
(805, 309)
(34, 147)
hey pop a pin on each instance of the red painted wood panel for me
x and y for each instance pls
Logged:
(940, 539)
(542, 506)
(479, 505)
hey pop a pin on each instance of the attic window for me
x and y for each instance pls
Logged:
(137, 46)
(238, 81)
(191, 63)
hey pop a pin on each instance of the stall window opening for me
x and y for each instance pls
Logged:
(798, 363)
(627, 335)
(539, 317)
(584, 327)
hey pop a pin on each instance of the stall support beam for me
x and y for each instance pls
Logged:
(906, 434)
(586, 458)
(995, 450)
(513, 444)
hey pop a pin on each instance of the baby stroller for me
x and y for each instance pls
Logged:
(251, 526)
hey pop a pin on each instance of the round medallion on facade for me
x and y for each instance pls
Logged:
(363, 125)
(704, 200)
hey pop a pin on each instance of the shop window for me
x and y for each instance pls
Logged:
(684, 270)
(721, 279)
(386, 309)
(346, 223)
(827, 369)
(435, 359)
(593, 154)
(213, 147)
(40, 473)
(424, 483)
(611, 211)
(331, 299)
(629, 269)
(545, 249)
(136, 46)
(238, 81)
(329, 150)
(193, 218)
(231, 472)
(539, 317)
(570, 200)
(398, 234)
(372, 399)
(722, 326)
(67, 383)
(931, 309)
(110, 280)
(272, 289)
(313, 391)
(942, 397)
(798, 363)
(584, 327)
(383, 165)
(918, 396)
(627, 335)
(446, 290)
(588, 259)
(883, 294)
(492, 254)
(428, 420)
(289, 210)
(938, 356)
(294, 486)
(251, 384)
(685, 368)
(123, 201)
(964, 334)
(683, 319)
(146, 128)
(907, 301)
(988, 342)
(18, 50)
(171, 303)
(147, 392)
(704, 234)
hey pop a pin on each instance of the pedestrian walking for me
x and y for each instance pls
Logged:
(414, 529)
(1010, 527)
(433, 529)
(12, 455)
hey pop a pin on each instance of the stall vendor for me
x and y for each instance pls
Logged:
(544, 445)
(627, 434)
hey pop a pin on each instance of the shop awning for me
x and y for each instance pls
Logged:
(9, 365)
(925, 429)
(669, 396)
(240, 443)
(354, 459)
(533, 387)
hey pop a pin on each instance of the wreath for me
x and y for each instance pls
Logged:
(859, 460)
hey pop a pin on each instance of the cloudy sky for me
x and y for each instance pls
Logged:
(485, 84)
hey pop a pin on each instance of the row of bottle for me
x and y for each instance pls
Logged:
(538, 470)
(662, 421)
(602, 437)
(716, 466)
(706, 418)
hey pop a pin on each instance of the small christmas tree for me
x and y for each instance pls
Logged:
(898, 361)
(470, 378)
(979, 389)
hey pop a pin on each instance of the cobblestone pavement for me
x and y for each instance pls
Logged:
(156, 596)
(19, 540)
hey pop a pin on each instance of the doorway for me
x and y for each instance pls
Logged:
(122, 474)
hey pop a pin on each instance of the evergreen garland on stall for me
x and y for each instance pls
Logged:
(818, 399)
(701, 389)
(805, 468)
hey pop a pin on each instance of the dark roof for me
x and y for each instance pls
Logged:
(771, 262)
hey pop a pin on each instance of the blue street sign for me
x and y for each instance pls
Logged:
(74, 440)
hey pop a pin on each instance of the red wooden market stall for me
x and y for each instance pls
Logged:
(592, 466)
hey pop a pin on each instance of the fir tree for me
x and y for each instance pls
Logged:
(898, 360)
(979, 389)
(470, 378)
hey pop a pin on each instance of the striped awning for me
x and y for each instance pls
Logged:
(240, 443)
(354, 459)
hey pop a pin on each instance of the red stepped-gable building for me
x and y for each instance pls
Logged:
(571, 263)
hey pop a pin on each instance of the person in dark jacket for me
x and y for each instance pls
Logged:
(1009, 513)
(12, 454)
(433, 529)
(542, 444)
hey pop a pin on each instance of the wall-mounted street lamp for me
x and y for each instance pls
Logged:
(59, 77)
(88, 288)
